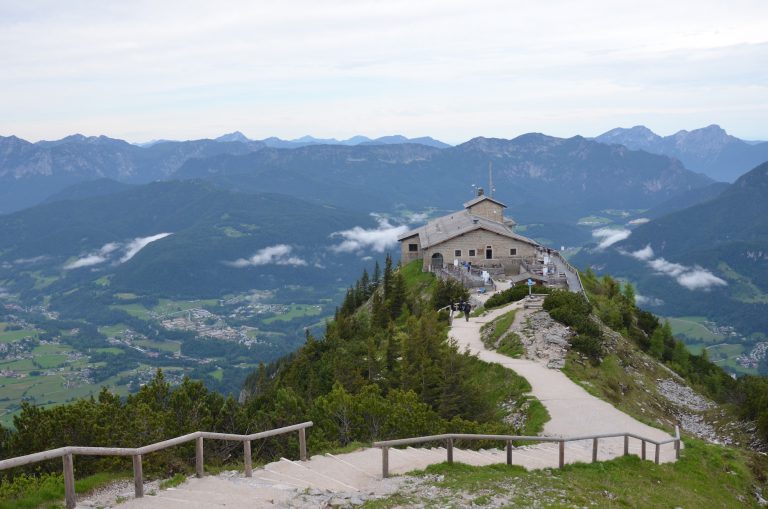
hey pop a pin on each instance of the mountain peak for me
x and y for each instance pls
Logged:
(233, 136)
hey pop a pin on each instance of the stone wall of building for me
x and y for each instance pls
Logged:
(478, 241)
(406, 255)
(488, 209)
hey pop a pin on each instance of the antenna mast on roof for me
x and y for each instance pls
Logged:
(490, 178)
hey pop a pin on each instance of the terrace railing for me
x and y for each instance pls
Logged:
(68, 453)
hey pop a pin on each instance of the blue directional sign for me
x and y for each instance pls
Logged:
(530, 282)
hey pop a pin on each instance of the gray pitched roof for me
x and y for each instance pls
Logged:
(480, 198)
(447, 227)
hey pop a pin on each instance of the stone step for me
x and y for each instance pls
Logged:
(281, 481)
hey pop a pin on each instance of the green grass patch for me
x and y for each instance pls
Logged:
(416, 279)
(126, 296)
(47, 490)
(495, 334)
(693, 328)
(164, 346)
(743, 289)
(176, 480)
(133, 309)
(296, 311)
(42, 281)
(112, 331)
(49, 361)
(706, 476)
(111, 349)
(12, 336)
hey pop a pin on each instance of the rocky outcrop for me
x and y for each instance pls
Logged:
(545, 340)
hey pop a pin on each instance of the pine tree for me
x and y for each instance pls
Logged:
(365, 286)
(376, 274)
(387, 277)
(397, 295)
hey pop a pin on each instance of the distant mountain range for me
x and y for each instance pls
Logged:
(355, 140)
(540, 177)
(710, 259)
(709, 150)
(30, 172)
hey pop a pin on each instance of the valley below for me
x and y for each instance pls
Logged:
(45, 361)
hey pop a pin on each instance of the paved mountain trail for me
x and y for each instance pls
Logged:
(573, 411)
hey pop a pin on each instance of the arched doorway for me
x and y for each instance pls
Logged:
(437, 261)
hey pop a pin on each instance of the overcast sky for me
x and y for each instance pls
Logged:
(450, 69)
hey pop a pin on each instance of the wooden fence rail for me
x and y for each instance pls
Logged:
(450, 438)
(68, 453)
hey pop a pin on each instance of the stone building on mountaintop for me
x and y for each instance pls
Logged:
(480, 240)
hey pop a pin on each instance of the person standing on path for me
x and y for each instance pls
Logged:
(467, 309)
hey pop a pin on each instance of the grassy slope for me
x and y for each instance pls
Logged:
(706, 476)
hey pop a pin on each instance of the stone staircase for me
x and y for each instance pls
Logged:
(534, 302)
(356, 476)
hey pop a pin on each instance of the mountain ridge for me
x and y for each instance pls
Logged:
(710, 150)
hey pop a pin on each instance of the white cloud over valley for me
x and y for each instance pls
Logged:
(610, 236)
(103, 254)
(137, 244)
(359, 239)
(279, 254)
(692, 278)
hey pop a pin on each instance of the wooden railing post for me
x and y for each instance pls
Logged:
(656, 456)
(642, 449)
(626, 445)
(677, 442)
(594, 450)
(561, 459)
(69, 482)
(199, 469)
(247, 458)
(385, 462)
(449, 449)
(302, 445)
(509, 452)
(138, 476)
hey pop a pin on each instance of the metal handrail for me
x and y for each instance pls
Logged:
(67, 453)
(450, 437)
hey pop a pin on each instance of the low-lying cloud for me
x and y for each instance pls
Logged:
(643, 254)
(279, 254)
(105, 252)
(138, 244)
(692, 278)
(610, 236)
(378, 239)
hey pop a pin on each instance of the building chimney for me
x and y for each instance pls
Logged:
(480, 191)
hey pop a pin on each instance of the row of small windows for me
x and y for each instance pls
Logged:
(412, 248)
(472, 252)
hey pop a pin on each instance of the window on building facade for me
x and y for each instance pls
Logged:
(413, 248)
(513, 251)
(457, 252)
(471, 252)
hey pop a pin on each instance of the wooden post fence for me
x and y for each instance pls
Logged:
(247, 458)
(67, 455)
(138, 476)
(509, 440)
